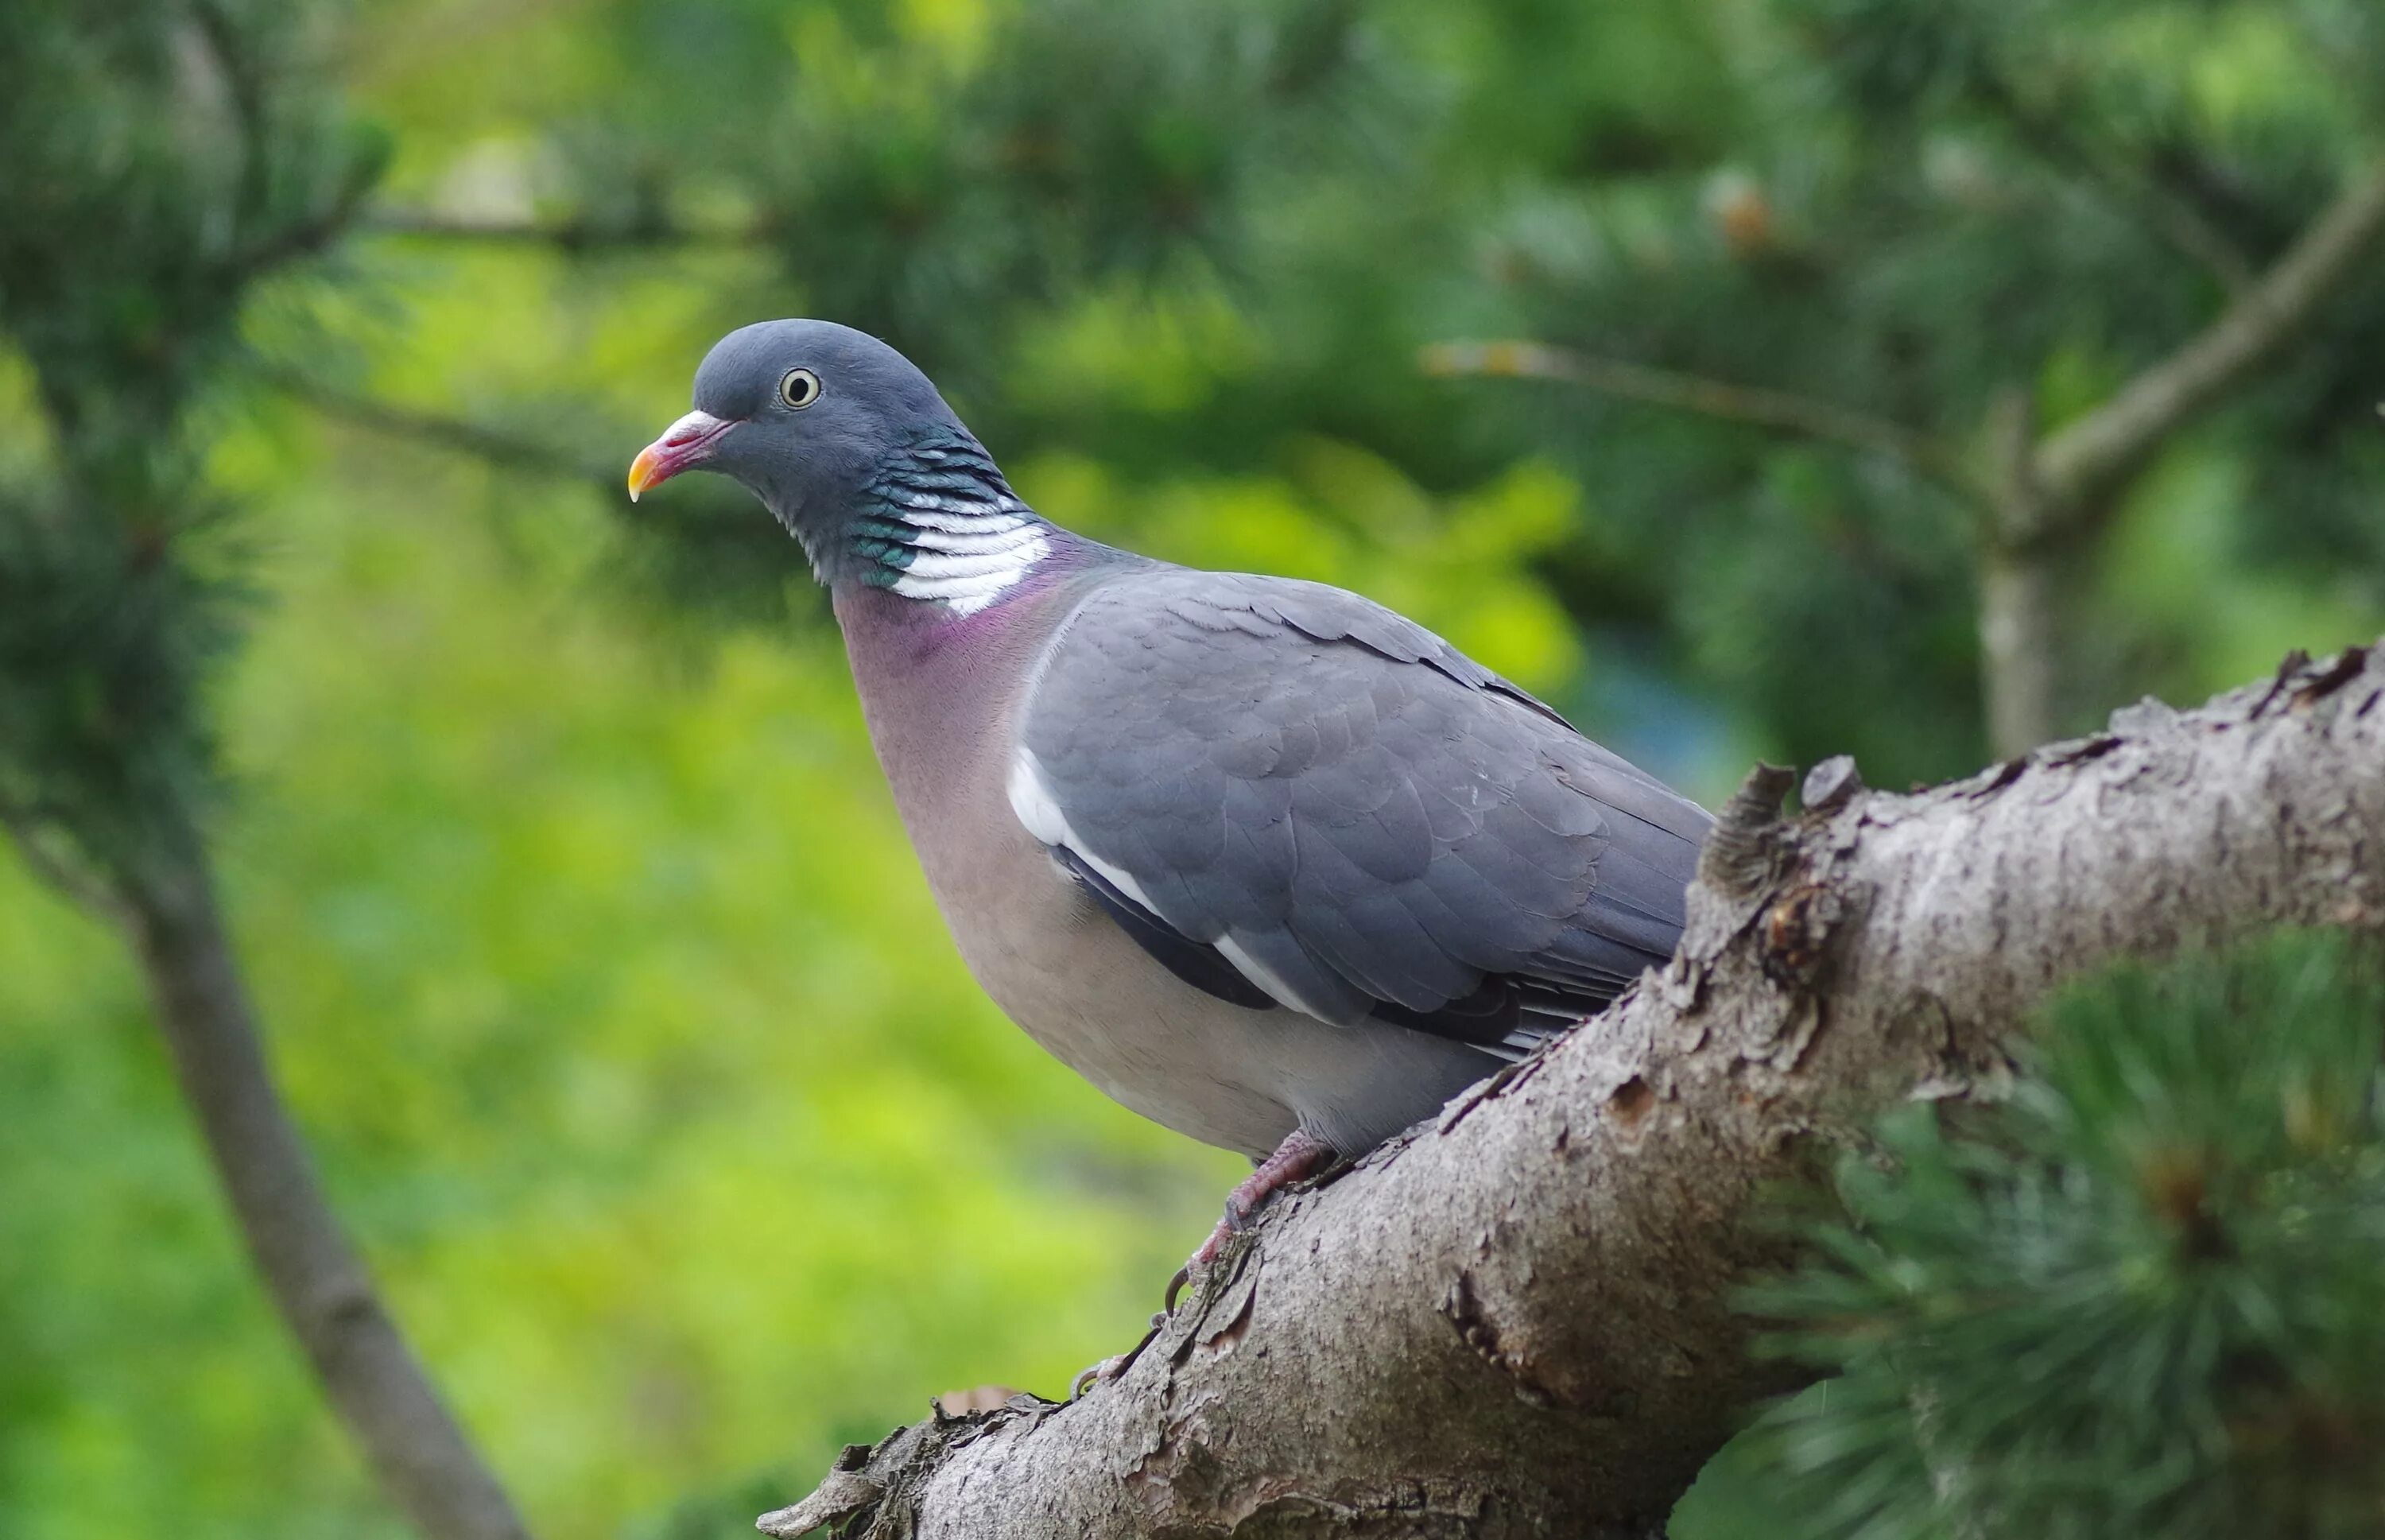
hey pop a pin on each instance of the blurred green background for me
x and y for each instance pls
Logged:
(594, 962)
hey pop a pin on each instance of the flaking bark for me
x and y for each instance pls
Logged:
(1516, 1320)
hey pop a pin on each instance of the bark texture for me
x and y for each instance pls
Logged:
(1517, 1320)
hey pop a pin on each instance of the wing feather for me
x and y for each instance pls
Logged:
(1291, 795)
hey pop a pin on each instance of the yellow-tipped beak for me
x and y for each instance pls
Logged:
(645, 471)
(684, 444)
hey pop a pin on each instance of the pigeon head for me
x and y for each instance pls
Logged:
(800, 413)
(859, 458)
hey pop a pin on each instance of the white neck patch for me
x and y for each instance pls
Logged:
(965, 552)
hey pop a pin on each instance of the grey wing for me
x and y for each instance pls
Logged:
(1290, 794)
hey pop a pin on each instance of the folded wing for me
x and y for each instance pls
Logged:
(1291, 797)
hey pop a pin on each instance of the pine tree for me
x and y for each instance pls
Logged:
(166, 161)
(2140, 1297)
(1887, 252)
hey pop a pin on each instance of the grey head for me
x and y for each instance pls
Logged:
(849, 445)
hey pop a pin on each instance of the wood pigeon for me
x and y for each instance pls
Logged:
(1265, 861)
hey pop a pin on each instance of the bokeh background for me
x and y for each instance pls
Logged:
(594, 959)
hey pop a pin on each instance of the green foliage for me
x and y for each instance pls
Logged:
(157, 168)
(593, 961)
(1911, 208)
(104, 640)
(2140, 1298)
(162, 159)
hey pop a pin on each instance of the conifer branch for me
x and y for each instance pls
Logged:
(31, 836)
(455, 436)
(2081, 466)
(310, 235)
(1781, 411)
(571, 233)
(2138, 192)
(245, 92)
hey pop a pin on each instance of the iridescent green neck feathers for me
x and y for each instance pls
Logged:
(937, 522)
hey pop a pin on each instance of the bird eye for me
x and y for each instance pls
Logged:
(800, 388)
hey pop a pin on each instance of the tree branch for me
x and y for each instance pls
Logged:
(2144, 194)
(310, 235)
(321, 1284)
(454, 434)
(1519, 1320)
(32, 831)
(2081, 466)
(221, 36)
(1778, 410)
(2022, 634)
(250, 108)
(2047, 494)
(572, 234)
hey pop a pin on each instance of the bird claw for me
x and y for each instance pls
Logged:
(1092, 1374)
(1118, 1363)
(1297, 1158)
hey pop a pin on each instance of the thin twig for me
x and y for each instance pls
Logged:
(2139, 192)
(569, 234)
(78, 887)
(1756, 406)
(316, 232)
(2082, 465)
(293, 239)
(221, 36)
(454, 434)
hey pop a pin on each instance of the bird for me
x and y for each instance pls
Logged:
(1265, 862)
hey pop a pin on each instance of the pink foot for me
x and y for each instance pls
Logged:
(1299, 1157)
